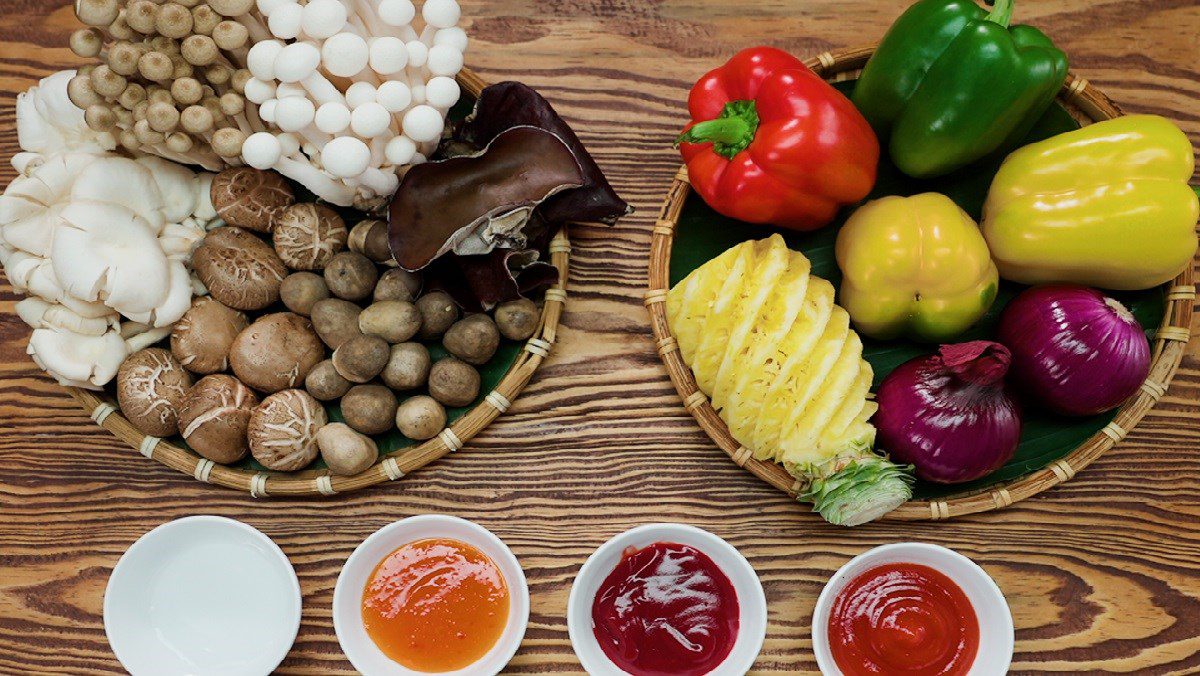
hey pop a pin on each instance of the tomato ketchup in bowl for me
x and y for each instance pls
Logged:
(912, 609)
(666, 600)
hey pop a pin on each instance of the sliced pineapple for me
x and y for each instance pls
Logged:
(771, 257)
(689, 301)
(716, 328)
(754, 373)
(854, 403)
(800, 378)
(799, 441)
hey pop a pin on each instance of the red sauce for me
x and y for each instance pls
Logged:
(903, 618)
(666, 610)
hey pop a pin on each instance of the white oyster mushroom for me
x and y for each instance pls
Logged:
(138, 336)
(40, 314)
(176, 187)
(105, 251)
(48, 123)
(176, 302)
(178, 240)
(125, 182)
(77, 360)
(29, 207)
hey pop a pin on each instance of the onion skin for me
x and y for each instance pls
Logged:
(1075, 351)
(951, 414)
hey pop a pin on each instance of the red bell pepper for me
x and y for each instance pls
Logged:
(771, 142)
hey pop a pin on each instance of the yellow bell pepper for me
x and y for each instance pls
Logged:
(1107, 205)
(914, 266)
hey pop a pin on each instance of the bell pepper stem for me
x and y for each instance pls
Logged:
(1001, 13)
(730, 133)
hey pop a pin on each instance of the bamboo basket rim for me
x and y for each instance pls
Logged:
(389, 467)
(1082, 100)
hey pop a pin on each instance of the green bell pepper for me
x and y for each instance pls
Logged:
(952, 83)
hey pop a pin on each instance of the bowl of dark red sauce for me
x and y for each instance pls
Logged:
(912, 609)
(667, 600)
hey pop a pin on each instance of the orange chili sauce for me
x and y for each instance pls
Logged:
(435, 605)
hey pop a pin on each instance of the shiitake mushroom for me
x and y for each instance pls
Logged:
(151, 386)
(438, 313)
(215, 416)
(370, 409)
(200, 340)
(276, 352)
(453, 382)
(517, 319)
(283, 430)
(473, 339)
(420, 418)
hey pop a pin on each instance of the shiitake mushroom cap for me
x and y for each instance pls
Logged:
(151, 386)
(276, 352)
(283, 430)
(215, 416)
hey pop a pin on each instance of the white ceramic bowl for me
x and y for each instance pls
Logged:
(347, 595)
(752, 604)
(995, 620)
(202, 595)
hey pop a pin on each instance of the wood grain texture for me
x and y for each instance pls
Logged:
(1102, 573)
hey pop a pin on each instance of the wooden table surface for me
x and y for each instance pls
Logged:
(1102, 574)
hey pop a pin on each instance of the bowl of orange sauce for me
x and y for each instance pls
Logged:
(431, 594)
(912, 608)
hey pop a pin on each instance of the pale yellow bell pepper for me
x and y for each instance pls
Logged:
(1107, 205)
(914, 266)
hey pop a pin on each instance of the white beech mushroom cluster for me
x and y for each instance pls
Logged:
(98, 241)
(354, 90)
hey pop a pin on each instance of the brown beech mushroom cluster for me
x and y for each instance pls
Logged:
(305, 312)
(171, 78)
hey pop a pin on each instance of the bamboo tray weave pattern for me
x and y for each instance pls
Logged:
(1087, 105)
(391, 466)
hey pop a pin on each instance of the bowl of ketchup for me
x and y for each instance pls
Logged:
(666, 600)
(912, 609)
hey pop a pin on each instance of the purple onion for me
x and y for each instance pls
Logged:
(950, 414)
(1075, 350)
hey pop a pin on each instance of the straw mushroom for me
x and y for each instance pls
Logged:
(392, 320)
(250, 198)
(151, 385)
(301, 290)
(517, 319)
(453, 382)
(396, 284)
(345, 451)
(335, 321)
(325, 383)
(370, 409)
(361, 358)
(407, 367)
(473, 339)
(351, 276)
(307, 236)
(239, 269)
(420, 418)
(283, 430)
(370, 239)
(201, 339)
(215, 416)
(276, 352)
(438, 313)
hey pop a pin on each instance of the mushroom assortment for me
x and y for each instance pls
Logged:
(299, 317)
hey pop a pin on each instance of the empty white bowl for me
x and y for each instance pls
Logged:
(995, 620)
(752, 603)
(202, 595)
(347, 595)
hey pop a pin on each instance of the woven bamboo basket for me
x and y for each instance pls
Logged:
(1086, 104)
(103, 409)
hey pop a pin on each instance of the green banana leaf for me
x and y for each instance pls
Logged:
(702, 234)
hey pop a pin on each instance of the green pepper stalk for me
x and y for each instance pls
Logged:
(730, 133)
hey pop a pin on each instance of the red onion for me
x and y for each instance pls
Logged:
(1075, 350)
(950, 414)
